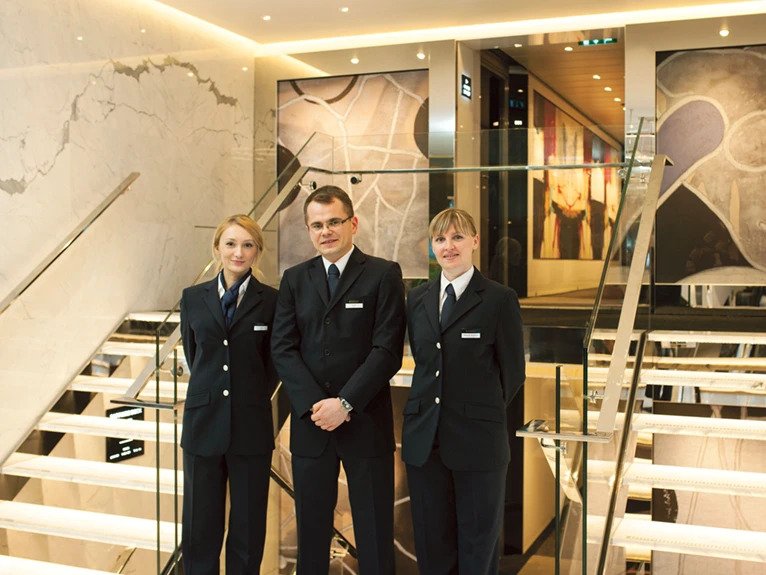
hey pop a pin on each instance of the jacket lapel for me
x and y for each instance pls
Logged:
(318, 278)
(354, 268)
(251, 299)
(468, 300)
(213, 302)
(431, 304)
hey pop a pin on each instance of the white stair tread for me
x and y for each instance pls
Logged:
(106, 427)
(638, 534)
(117, 475)
(725, 381)
(87, 525)
(154, 316)
(688, 336)
(135, 348)
(19, 566)
(700, 426)
(714, 362)
(119, 385)
(648, 475)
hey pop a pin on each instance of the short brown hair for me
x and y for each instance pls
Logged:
(246, 223)
(326, 195)
(462, 220)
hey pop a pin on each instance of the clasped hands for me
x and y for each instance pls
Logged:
(329, 414)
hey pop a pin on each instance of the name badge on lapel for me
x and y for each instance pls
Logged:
(354, 305)
(260, 327)
(471, 335)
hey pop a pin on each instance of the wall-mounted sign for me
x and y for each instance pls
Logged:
(118, 449)
(465, 86)
(597, 41)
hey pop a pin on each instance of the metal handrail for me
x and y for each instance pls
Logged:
(24, 284)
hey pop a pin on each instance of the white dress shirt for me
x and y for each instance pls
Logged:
(458, 284)
(242, 288)
(340, 264)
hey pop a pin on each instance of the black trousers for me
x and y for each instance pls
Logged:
(457, 517)
(371, 494)
(204, 507)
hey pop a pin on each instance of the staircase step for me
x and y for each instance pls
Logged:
(758, 363)
(134, 348)
(704, 480)
(119, 385)
(19, 566)
(154, 316)
(708, 380)
(672, 336)
(106, 427)
(87, 525)
(642, 536)
(117, 475)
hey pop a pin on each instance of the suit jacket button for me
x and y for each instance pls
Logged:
(327, 352)
(437, 400)
(225, 367)
(327, 321)
(327, 385)
(226, 393)
(437, 373)
(226, 342)
(438, 345)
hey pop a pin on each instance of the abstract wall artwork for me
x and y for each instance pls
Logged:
(362, 122)
(573, 210)
(711, 223)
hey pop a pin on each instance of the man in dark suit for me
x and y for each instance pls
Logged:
(466, 338)
(337, 341)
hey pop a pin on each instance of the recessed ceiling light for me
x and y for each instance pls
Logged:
(517, 45)
(190, 74)
(623, 109)
(618, 99)
(496, 46)
(520, 90)
(266, 18)
(79, 38)
(244, 68)
(354, 60)
(344, 9)
(607, 89)
(596, 77)
(143, 30)
(568, 49)
(421, 55)
(495, 123)
(518, 122)
(723, 32)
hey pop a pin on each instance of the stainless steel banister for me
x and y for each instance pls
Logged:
(22, 286)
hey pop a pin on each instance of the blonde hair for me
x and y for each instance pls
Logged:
(462, 220)
(246, 223)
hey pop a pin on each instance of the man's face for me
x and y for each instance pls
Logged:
(330, 229)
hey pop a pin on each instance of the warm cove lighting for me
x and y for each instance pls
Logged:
(723, 32)
(516, 28)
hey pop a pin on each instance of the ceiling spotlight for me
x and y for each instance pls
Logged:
(143, 30)
(190, 74)
(618, 99)
(568, 49)
(266, 18)
(79, 38)
(244, 68)
(520, 90)
(354, 60)
(518, 122)
(495, 123)
(607, 89)
(344, 9)
(517, 45)
(723, 32)
(421, 55)
(596, 77)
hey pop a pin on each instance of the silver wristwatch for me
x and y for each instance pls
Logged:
(345, 405)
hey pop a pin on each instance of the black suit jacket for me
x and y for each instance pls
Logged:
(228, 410)
(465, 375)
(348, 347)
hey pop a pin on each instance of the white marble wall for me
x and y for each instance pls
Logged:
(91, 90)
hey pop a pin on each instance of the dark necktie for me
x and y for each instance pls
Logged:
(229, 299)
(333, 277)
(448, 305)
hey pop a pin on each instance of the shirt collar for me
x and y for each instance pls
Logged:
(341, 263)
(459, 284)
(242, 288)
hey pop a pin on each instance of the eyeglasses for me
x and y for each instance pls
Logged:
(332, 224)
